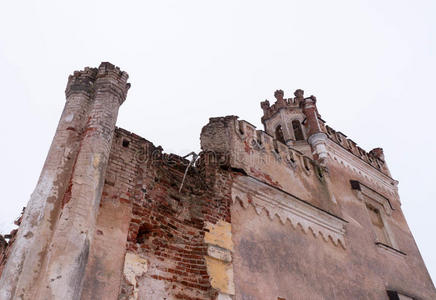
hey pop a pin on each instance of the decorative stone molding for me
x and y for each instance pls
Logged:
(364, 191)
(390, 250)
(250, 191)
(317, 141)
(380, 181)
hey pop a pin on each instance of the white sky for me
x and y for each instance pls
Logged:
(371, 65)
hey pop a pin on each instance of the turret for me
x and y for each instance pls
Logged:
(284, 118)
(316, 137)
(50, 252)
(295, 122)
(44, 206)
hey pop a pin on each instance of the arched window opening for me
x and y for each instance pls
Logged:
(279, 134)
(298, 132)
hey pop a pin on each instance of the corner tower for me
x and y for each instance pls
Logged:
(50, 252)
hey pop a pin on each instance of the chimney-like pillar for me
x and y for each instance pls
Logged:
(42, 211)
(69, 248)
(316, 138)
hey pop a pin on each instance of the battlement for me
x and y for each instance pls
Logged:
(267, 159)
(375, 157)
(281, 102)
(108, 69)
(81, 81)
(106, 75)
(262, 141)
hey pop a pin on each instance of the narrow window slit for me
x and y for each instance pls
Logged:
(279, 134)
(298, 132)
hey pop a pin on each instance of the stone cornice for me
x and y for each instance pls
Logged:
(358, 166)
(390, 249)
(250, 191)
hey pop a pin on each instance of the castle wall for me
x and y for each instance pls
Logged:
(268, 160)
(106, 261)
(153, 239)
(113, 217)
(273, 260)
(403, 271)
(282, 251)
(278, 258)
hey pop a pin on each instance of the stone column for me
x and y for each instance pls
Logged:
(42, 211)
(316, 138)
(69, 249)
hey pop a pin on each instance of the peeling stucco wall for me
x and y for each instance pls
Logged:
(219, 256)
(115, 217)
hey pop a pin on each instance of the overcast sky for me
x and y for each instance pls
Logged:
(371, 65)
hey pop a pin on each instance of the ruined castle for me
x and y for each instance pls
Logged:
(294, 211)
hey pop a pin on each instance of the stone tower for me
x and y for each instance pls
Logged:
(51, 249)
(297, 211)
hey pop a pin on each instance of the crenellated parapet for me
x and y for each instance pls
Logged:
(265, 158)
(111, 79)
(281, 102)
(279, 119)
(81, 82)
(107, 77)
(375, 157)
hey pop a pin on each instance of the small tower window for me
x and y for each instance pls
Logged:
(279, 134)
(298, 132)
(126, 143)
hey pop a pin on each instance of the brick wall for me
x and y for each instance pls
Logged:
(159, 250)
(168, 226)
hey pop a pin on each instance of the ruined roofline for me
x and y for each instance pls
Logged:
(244, 123)
(262, 138)
(175, 158)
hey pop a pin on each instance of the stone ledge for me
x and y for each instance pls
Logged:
(250, 191)
(390, 249)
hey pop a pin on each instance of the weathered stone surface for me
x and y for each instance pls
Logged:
(297, 211)
(219, 253)
(221, 275)
(219, 234)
